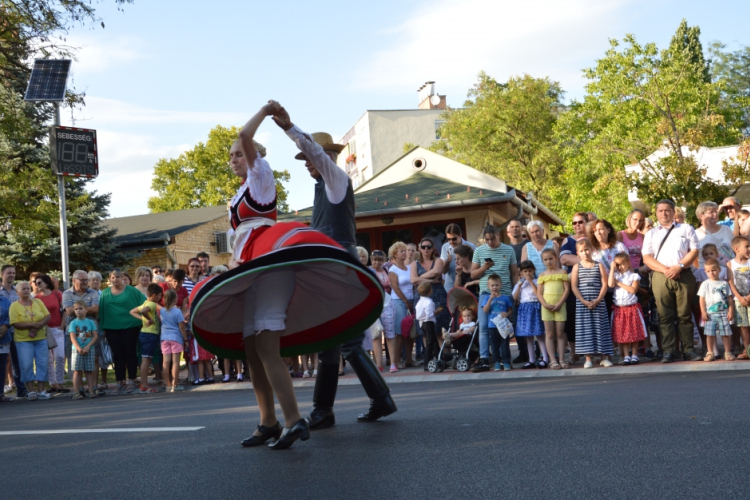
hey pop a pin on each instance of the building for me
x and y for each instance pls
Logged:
(378, 137)
(169, 239)
(421, 192)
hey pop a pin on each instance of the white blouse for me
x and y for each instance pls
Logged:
(404, 282)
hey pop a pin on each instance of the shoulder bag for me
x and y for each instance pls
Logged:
(656, 256)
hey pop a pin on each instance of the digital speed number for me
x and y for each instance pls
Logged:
(73, 152)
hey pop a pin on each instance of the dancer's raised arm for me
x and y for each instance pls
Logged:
(247, 133)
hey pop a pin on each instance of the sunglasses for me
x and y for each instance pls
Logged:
(425, 247)
(378, 252)
(577, 222)
(455, 238)
(38, 282)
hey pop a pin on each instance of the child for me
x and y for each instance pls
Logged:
(628, 326)
(708, 251)
(717, 310)
(468, 323)
(529, 324)
(148, 313)
(495, 305)
(739, 282)
(553, 289)
(173, 337)
(589, 283)
(83, 336)
(425, 314)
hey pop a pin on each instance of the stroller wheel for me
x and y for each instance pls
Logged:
(440, 365)
(432, 366)
(462, 364)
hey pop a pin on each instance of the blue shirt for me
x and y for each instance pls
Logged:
(170, 324)
(84, 331)
(501, 304)
(727, 222)
(5, 320)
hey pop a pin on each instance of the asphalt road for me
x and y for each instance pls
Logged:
(666, 436)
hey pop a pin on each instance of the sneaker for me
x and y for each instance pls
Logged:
(8, 388)
(507, 367)
(588, 364)
(178, 387)
(650, 354)
(482, 365)
(44, 395)
(498, 367)
(659, 354)
(605, 363)
(394, 369)
(147, 390)
(32, 396)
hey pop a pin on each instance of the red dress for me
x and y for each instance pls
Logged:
(335, 297)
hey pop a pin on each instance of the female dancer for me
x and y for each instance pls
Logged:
(272, 300)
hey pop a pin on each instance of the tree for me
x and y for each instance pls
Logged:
(732, 71)
(506, 130)
(91, 245)
(200, 177)
(637, 101)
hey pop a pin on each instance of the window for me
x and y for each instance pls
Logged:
(438, 124)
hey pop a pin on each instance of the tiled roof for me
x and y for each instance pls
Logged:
(139, 227)
(419, 189)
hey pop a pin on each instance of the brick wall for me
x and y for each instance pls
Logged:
(200, 239)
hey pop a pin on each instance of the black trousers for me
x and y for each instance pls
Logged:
(432, 344)
(333, 354)
(123, 345)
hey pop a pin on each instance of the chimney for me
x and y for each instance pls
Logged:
(428, 99)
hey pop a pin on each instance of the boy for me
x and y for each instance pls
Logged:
(83, 335)
(425, 314)
(739, 282)
(495, 305)
(148, 312)
(717, 310)
(709, 251)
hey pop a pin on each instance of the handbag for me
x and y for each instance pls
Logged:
(105, 352)
(409, 327)
(51, 342)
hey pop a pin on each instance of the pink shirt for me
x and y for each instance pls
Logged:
(634, 249)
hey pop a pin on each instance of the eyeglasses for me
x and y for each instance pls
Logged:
(82, 280)
(195, 266)
(577, 222)
(454, 238)
(425, 247)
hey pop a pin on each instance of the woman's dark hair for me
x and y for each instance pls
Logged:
(527, 264)
(464, 251)
(178, 275)
(435, 253)
(611, 239)
(47, 281)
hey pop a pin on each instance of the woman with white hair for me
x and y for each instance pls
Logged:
(95, 281)
(29, 318)
(712, 232)
(536, 245)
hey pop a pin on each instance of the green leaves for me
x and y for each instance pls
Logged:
(201, 177)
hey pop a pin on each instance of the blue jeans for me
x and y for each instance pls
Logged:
(399, 313)
(30, 354)
(500, 347)
(16, 369)
(484, 334)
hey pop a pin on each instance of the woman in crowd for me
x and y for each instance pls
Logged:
(121, 329)
(711, 232)
(429, 268)
(193, 275)
(401, 299)
(536, 245)
(143, 278)
(604, 241)
(126, 279)
(632, 236)
(386, 317)
(29, 317)
(411, 254)
(95, 281)
(52, 300)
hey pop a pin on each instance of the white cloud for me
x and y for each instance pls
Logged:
(450, 42)
(99, 54)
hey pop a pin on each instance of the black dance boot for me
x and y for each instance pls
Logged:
(266, 433)
(381, 402)
(326, 385)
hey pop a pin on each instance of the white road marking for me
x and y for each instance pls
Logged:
(93, 431)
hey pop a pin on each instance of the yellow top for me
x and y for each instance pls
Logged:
(553, 277)
(27, 314)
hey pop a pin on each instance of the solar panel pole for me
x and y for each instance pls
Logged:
(63, 217)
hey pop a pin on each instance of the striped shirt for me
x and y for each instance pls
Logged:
(503, 257)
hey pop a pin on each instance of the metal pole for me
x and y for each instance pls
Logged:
(63, 218)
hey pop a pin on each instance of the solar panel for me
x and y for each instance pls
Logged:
(48, 80)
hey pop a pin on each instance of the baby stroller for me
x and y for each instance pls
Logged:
(465, 349)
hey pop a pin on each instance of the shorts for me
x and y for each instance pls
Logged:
(741, 315)
(718, 325)
(560, 315)
(171, 347)
(85, 363)
(148, 341)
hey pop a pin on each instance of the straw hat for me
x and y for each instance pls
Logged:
(326, 142)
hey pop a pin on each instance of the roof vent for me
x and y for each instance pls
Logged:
(419, 163)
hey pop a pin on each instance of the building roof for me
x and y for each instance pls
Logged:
(146, 230)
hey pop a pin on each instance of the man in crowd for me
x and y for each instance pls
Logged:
(333, 215)
(81, 291)
(669, 250)
(7, 290)
(205, 268)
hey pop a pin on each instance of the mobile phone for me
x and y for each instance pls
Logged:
(488, 260)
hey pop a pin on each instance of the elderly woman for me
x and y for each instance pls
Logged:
(401, 297)
(52, 300)
(712, 232)
(29, 317)
(536, 245)
(121, 329)
(95, 281)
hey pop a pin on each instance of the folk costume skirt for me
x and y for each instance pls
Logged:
(329, 296)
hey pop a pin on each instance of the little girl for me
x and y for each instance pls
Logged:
(589, 282)
(468, 323)
(173, 337)
(628, 326)
(529, 324)
(553, 289)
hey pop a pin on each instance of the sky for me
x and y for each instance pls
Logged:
(162, 74)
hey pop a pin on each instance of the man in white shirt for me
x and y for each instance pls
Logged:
(333, 215)
(669, 250)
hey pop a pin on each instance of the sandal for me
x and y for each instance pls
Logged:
(77, 395)
(130, 388)
(555, 365)
(103, 387)
(120, 389)
(565, 365)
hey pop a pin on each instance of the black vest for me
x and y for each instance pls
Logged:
(335, 221)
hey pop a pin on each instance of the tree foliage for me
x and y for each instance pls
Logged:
(201, 178)
(640, 100)
(505, 129)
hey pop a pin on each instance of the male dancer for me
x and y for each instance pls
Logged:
(333, 215)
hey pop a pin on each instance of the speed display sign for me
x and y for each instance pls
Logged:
(73, 151)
